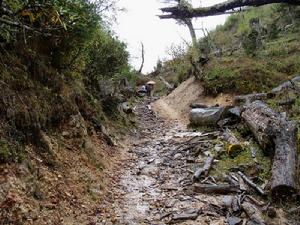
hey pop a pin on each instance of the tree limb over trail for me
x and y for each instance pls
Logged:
(177, 12)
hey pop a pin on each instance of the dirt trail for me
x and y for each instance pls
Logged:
(175, 106)
(155, 182)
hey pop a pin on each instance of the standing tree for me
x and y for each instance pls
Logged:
(185, 4)
(143, 59)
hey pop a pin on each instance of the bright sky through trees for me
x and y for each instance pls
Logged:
(140, 24)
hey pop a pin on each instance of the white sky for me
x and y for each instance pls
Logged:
(140, 24)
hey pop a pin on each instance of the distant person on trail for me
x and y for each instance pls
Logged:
(150, 88)
(143, 89)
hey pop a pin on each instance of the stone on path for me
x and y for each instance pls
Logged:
(207, 116)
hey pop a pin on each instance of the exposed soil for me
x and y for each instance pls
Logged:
(175, 106)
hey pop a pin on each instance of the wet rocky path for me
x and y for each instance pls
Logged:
(154, 186)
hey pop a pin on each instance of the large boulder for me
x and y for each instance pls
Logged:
(206, 116)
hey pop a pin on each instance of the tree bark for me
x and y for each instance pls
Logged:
(251, 184)
(215, 189)
(143, 58)
(277, 136)
(246, 99)
(253, 213)
(205, 169)
(189, 24)
(178, 12)
(235, 145)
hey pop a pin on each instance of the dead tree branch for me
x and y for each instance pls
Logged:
(178, 12)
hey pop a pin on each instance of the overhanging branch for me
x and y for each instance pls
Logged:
(178, 12)
(23, 26)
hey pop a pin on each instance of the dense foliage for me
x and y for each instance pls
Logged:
(58, 58)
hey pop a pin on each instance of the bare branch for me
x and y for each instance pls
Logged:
(19, 25)
(178, 12)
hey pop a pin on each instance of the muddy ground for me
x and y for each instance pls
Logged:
(155, 184)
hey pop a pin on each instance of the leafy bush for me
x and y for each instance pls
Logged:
(219, 79)
(57, 67)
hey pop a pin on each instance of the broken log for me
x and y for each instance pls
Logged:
(231, 180)
(215, 189)
(246, 99)
(185, 216)
(253, 213)
(277, 136)
(234, 145)
(286, 85)
(198, 105)
(205, 169)
(255, 201)
(251, 184)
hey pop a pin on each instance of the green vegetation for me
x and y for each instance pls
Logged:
(269, 37)
(244, 161)
(252, 52)
(58, 59)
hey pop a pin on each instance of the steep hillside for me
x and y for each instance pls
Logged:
(63, 75)
(253, 51)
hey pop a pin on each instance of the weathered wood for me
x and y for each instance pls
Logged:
(255, 201)
(205, 169)
(246, 99)
(234, 145)
(277, 136)
(179, 12)
(251, 184)
(143, 59)
(286, 85)
(166, 83)
(243, 186)
(198, 105)
(185, 216)
(231, 180)
(215, 189)
(253, 213)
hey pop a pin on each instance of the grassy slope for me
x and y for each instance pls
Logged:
(276, 60)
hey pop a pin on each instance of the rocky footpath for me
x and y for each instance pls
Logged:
(157, 185)
(154, 185)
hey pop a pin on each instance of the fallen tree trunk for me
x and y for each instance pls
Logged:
(277, 136)
(215, 189)
(205, 169)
